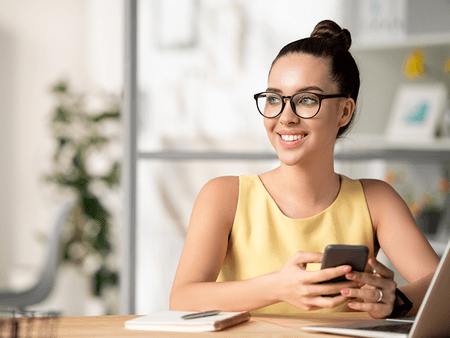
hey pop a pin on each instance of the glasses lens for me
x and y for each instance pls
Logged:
(269, 104)
(306, 104)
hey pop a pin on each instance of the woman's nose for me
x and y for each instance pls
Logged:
(287, 115)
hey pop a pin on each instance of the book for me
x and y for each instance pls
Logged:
(173, 321)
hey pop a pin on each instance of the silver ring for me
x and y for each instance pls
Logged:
(381, 296)
(374, 271)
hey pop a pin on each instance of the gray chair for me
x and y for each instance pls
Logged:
(39, 291)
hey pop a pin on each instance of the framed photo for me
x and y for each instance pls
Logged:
(416, 112)
(382, 20)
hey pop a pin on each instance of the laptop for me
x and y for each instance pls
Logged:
(432, 319)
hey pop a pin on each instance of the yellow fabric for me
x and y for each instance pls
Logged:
(263, 239)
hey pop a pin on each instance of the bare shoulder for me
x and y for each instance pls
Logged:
(218, 199)
(378, 189)
(382, 200)
(224, 183)
(225, 188)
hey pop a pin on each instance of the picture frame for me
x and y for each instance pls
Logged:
(382, 20)
(416, 112)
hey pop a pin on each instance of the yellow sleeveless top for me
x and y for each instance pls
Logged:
(263, 239)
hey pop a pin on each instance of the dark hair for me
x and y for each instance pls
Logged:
(329, 40)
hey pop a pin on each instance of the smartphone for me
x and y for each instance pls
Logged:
(337, 254)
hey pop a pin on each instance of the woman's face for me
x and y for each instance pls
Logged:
(313, 137)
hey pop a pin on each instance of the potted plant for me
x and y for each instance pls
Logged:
(84, 135)
(429, 211)
(429, 208)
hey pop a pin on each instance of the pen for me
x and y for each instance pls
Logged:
(201, 314)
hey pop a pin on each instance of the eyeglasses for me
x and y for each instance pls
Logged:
(304, 104)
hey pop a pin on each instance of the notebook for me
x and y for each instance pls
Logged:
(432, 320)
(173, 321)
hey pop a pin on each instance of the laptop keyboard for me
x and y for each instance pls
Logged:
(397, 328)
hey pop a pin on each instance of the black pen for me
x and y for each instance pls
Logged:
(201, 314)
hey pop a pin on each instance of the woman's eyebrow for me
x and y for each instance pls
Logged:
(304, 89)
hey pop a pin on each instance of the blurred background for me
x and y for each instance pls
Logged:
(125, 108)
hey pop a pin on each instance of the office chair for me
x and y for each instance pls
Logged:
(39, 291)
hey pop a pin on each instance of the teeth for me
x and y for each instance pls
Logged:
(292, 137)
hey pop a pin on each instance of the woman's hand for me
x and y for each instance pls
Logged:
(376, 294)
(300, 288)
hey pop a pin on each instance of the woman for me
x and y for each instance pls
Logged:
(255, 242)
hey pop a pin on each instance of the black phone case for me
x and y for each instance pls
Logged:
(339, 254)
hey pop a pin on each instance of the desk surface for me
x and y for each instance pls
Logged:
(261, 326)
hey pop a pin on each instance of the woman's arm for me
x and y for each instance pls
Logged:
(195, 287)
(405, 246)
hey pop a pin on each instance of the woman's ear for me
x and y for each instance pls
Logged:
(348, 107)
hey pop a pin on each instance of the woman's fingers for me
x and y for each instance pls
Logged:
(371, 280)
(309, 290)
(329, 302)
(322, 276)
(302, 258)
(332, 289)
(376, 310)
(378, 305)
(380, 269)
(316, 302)
(377, 296)
(369, 295)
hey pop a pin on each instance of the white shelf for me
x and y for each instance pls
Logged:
(352, 149)
(379, 142)
(360, 148)
(425, 40)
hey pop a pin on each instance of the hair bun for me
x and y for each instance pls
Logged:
(330, 30)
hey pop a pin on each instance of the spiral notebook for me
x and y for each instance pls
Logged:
(172, 321)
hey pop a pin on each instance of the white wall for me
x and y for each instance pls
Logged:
(40, 43)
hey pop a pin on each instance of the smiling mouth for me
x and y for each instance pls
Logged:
(291, 138)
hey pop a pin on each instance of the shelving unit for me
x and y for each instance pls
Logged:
(379, 148)
(386, 152)
(381, 67)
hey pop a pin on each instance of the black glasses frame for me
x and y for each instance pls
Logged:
(283, 102)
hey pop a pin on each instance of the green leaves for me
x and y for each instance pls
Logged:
(80, 135)
(104, 277)
(60, 87)
(110, 115)
(61, 115)
(113, 177)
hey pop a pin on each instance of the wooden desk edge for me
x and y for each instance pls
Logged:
(270, 325)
